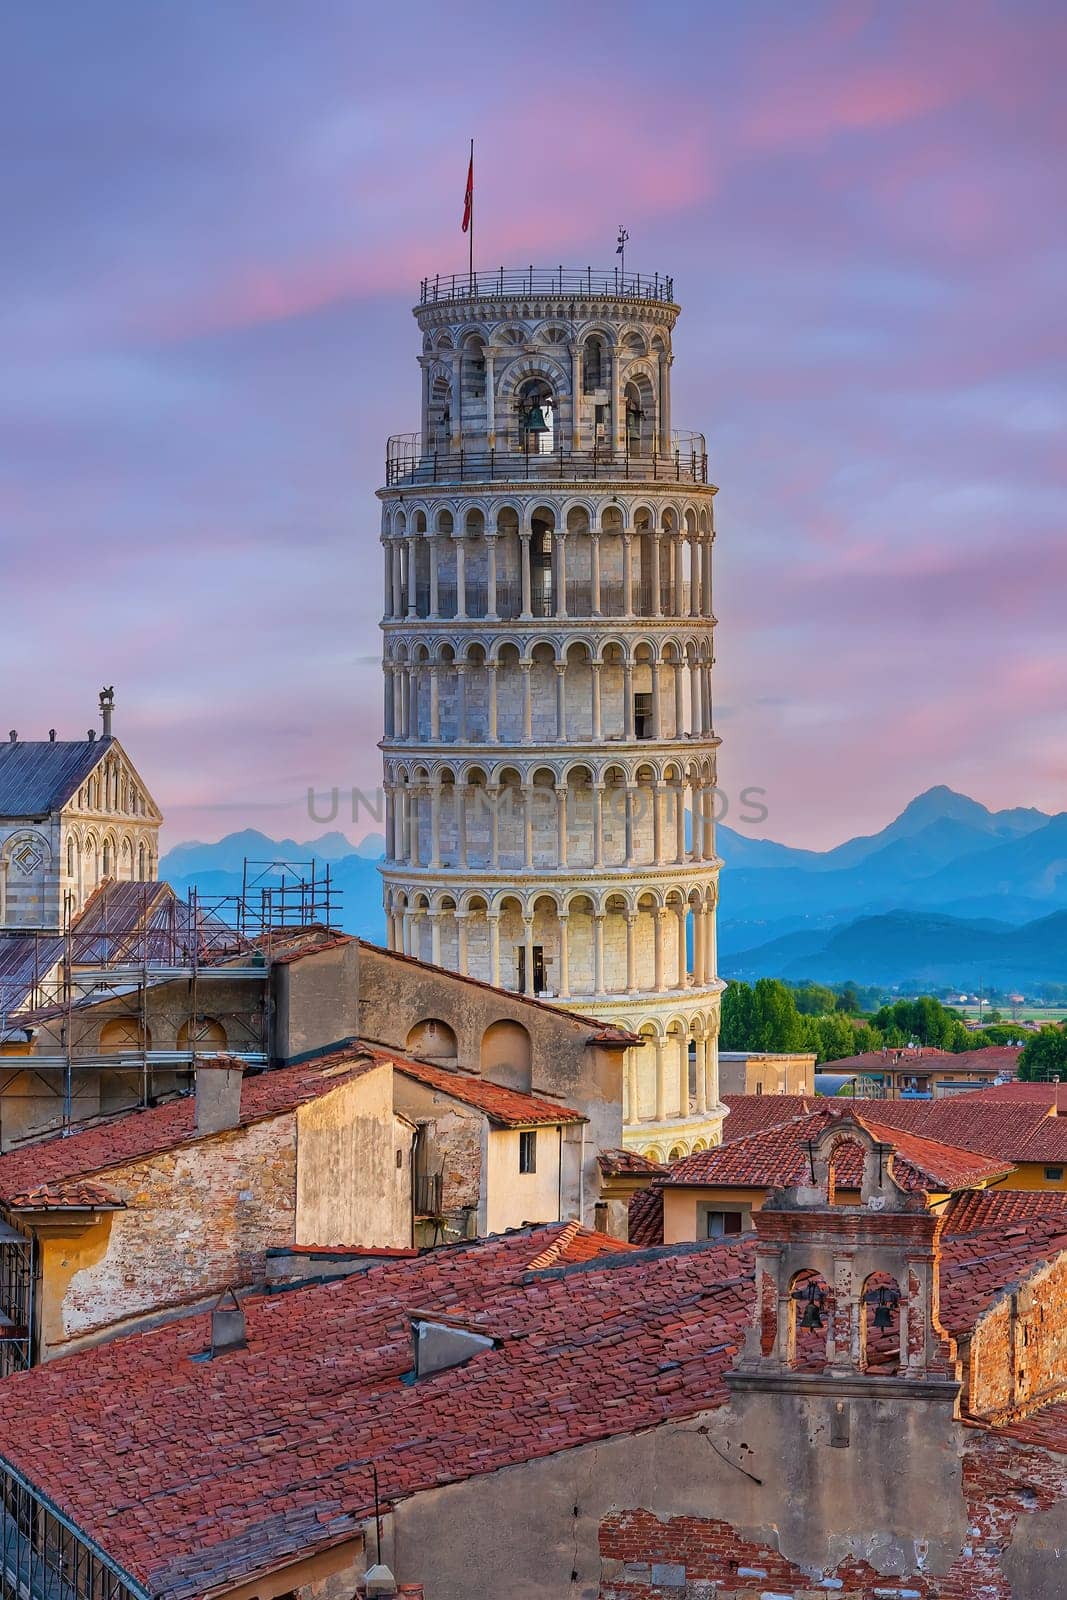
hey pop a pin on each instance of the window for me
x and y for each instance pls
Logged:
(528, 1150)
(721, 1223)
(1054, 1174)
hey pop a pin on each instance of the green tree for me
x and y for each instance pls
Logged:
(736, 1018)
(813, 999)
(1044, 1055)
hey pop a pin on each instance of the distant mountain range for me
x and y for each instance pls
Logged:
(949, 893)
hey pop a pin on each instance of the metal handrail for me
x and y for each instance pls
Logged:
(510, 281)
(406, 463)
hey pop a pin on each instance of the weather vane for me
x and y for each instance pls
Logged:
(620, 248)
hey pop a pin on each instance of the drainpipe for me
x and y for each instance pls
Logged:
(559, 1176)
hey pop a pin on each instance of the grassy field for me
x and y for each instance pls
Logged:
(1024, 1013)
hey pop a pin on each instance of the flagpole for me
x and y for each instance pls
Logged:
(470, 241)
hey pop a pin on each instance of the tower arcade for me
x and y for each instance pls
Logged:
(549, 750)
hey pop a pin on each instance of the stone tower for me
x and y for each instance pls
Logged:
(549, 751)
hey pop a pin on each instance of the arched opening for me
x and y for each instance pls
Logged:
(542, 561)
(677, 1152)
(108, 859)
(640, 417)
(123, 1035)
(845, 1173)
(535, 414)
(811, 1310)
(880, 1325)
(594, 364)
(434, 1040)
(507, 1054)
(205, 1036)
(439, 413)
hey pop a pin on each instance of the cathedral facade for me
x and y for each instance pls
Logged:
(73, 814)
(549, 746)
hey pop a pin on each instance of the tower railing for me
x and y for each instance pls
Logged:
(409, 462)
(525, 281)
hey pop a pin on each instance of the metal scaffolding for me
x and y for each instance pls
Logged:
(140, 981)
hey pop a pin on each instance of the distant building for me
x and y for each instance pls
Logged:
(73, 813)
(925, 1070)
(766, 1072)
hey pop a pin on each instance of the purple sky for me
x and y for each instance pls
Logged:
(215, 220)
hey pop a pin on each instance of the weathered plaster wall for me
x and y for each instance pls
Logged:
(516, 1197)
(198, 1219)
(452, 1142)
(395, 995)
(316, 1000)
(553, 1509)
(350, 1187)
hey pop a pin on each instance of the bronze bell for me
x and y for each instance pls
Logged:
(534, 421)
(883, 1317)
(811, 1317)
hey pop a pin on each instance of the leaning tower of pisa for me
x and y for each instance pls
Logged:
(549, 747)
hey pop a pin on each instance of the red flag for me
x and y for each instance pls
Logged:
(468, 198)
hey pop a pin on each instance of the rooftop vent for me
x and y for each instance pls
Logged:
(227, 1325)
(379, 1581)
(51, 736)
(439, 1345)
(13, 736)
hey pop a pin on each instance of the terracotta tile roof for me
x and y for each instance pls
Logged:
(977, 1267)
(1046, 1428)
(78, 1194)
(575, 1243)
(751, 1113)
(267, 1451)
(977, 1209)
(646, 1216)
(992, 1058)
(778, 1156)
(1050, 1095)
(508, 1108)
(1015, 1130)
(133, 1135)
(627, 1164)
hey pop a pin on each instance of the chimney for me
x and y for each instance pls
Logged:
(51, 736)
(218, 1092)
(13, 736)
(227, 1325)
(378, 1581)
(107, 706)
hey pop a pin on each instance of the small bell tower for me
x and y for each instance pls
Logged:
(847, 1295)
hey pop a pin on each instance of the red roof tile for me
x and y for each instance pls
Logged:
(133, 1135)
(1003, 1208)
(646, 1216)
(575, 1243)
(751, 1113)
(509, 1108)
(627, 1164)
(76, 1195)
(990, 1059)
(267, 1451)
(977, 1267)
(1014, 1130)
(778, 1156)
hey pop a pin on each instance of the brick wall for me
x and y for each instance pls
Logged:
(1017, 1357)
(700, 1558)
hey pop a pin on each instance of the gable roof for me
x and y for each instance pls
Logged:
(750, 1113)
(128, 1136)
(1020, 1129)
(778, 1155)
(38, 776)
(994, 1058)
(508, 1108)
(266, 1452)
